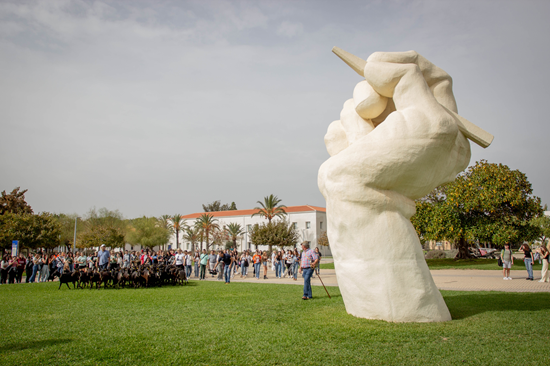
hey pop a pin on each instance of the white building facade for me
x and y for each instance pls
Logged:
(309, 221)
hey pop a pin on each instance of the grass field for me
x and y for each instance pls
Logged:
(449, 263)
(209, 323)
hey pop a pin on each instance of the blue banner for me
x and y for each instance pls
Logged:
(14, 247)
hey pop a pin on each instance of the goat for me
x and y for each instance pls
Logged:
(67, 277)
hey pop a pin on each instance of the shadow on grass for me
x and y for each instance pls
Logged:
(33, 344)
(467, 305)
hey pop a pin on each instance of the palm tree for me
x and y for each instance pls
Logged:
(234, 230)
(164, 221)
(206, 223)
(270, 208)
(193, 235)
(178, 224)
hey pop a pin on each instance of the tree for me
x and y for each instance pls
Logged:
(165, 222)
(206, 223)
(234, 230)
(489, 203)
(14, 202)
(147, 232)
(217, 206)
(219, 236)
(178, 224)
(280, 233)
(192, 235)
(543, 224)
(270, 208)
(32, 231)
(67, 223)
(102, 227)
(323, 239)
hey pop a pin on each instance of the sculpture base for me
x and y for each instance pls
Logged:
(379, 262)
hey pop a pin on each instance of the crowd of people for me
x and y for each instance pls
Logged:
(222, 264)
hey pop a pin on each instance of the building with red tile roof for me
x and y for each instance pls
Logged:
(309, 221)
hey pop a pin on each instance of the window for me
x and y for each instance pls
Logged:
(321, 225)
(248, 228)
(308, 225)
(295, 225)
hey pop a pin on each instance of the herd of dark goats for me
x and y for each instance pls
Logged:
(136, 276)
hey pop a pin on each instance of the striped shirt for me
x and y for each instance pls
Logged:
(308, 257)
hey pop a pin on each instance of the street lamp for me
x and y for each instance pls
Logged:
(74, 239)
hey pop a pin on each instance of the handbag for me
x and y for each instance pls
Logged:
(500, 262)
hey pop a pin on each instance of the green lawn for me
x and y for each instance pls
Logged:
(209, 323)
(449, 263)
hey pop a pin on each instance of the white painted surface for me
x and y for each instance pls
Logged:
(372, 178)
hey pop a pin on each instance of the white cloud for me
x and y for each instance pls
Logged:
(288, 29)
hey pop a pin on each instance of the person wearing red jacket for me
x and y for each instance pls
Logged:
(21, 262)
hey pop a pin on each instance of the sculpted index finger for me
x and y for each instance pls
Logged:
(440, 83)
(407, 57)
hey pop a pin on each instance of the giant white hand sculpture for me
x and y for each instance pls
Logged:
(396, 140)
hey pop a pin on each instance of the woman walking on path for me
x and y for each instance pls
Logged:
(220, 265)
(296, 265)
(507, 261)
(289, 261)
(528, 260)
(204, 262)
(245, 263)
(28, 268)
(257, 258)
(70, 260)
(180, 257)
(36, 260)
(45, 270)
(81, 261)
(4, 268)
(264, 263)
(318, 268)
(188, 264)
(273, 261)
(212, 262)
(196, 262)
(545, 256)
(13, 272)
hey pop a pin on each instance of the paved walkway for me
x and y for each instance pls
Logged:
(445, 279)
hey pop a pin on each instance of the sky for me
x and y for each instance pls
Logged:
(157, 107)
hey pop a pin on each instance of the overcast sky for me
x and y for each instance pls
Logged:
(155, 107)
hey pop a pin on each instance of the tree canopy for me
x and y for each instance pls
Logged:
(178, 224)
(206, 224)
(67, 223)
(543, 224)
(489, 203)
(234, 230)
(102, 227)
(14, 202)
(147, 232)
(217, 206)
(278, 233)
(270, 208)
(323, 239)
(192, 235)
(32, 231)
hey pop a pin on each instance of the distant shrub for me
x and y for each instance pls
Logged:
(435, 254)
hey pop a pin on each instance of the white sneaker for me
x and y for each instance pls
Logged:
(504, 278)
(510, 278)
(541, 281)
